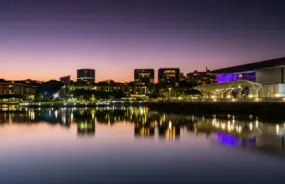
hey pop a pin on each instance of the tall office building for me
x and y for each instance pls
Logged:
(86, 76)
(200, 78)
(144, 76)
(65, 80)
(169, 76)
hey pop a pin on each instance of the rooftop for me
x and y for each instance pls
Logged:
(252, 66)
(228, 85)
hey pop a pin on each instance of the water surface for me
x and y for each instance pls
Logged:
(134, 145)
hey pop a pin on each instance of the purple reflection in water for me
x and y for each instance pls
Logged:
(227, 139)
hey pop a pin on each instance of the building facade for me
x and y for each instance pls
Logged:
(86, 76)
(66, 80)
(200, 78)
(268, 74)
(169, 76)
(144, 76)
(18, 89)
(223, 78)
(143, 81)
(108, 86)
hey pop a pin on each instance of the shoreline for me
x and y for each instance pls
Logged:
(263, 110)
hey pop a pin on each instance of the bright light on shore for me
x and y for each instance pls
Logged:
(277, 129)
(250, 126)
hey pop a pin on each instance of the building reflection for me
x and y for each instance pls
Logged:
(152, 125)
(86, 128)
(145, 122)
(144, 130)
(85, 120)
(110, 117)
(168, 131)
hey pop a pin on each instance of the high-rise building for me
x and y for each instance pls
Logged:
(65, 80)
(144, 76)
(169, 76)
(200, 78)
(144, 81)
(86, 76)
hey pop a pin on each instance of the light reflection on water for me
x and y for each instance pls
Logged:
(87, 145)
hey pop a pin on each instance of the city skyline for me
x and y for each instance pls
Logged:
(142, 91)
(49, 39)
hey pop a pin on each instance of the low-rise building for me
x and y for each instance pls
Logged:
(259, 79)
(25, 91)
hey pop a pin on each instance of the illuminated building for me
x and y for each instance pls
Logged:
(127, 88)
(144, 76)
(264, 72)
(121, 89)
(222, 78)
(254, 80)
(86, 76)
(109, 86)
(200, 78)
(169, 76)
(143, 81)
(142, 90)
(19, 89)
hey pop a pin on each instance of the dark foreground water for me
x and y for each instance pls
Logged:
(134, 145)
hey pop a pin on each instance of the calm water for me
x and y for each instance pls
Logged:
(135, 145)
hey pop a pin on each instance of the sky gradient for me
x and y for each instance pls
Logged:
(47, 39)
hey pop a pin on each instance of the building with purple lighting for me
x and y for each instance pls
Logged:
(222, 78)
(269, 74)
(264, 72)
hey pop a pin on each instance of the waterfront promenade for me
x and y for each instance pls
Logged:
(262, 109)
(265, 108)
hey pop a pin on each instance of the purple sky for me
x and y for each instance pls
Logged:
(46, 39)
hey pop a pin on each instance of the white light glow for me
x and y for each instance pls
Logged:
(56, 95)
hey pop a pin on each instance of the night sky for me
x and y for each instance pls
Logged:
(46, 39)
